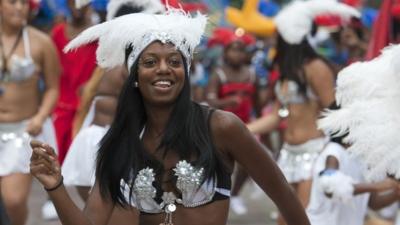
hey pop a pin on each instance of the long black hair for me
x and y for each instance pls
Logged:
(122, 153)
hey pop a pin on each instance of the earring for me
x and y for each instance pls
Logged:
(136, 84)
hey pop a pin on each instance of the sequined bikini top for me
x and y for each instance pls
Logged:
(20, 68)
(293, 95)
(188, 183)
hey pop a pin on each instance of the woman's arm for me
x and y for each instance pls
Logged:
(45, 167)
(267, 123)
(235, 141)
(51, 70)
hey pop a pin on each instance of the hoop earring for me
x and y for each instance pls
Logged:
(136, 84)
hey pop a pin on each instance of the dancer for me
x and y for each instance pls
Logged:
(28, 92)
(160, 137)
(234, 87)
(306, 86)
(340, 194)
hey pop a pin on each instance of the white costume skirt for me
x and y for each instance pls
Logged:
(15, 151)
(79, 165)
(297, 161)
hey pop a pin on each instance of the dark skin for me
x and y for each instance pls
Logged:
(379, 198)
(164, 62)
(236, 70)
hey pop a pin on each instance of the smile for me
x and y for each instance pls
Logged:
(163, 84)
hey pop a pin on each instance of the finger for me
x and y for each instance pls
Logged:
(53, 166)
(39, 169)
(49, 150)
(42, 153)
(35, 144)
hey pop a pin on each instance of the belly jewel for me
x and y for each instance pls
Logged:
(169, 209)
(283, 112)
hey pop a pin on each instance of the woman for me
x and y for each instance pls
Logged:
(158, 132)
(28, 93)
(306, 86)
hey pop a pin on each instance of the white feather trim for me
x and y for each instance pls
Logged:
(294, 22)
(139, 30)
(81, 3)
(149, 6)
(339, 185)
(369, 96)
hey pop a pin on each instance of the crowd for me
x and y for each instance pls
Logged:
(157, 116)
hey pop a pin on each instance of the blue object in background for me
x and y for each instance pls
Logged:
(99, 5)
(268, 8)
(368, 16)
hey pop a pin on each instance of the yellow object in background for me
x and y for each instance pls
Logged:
(250, 19)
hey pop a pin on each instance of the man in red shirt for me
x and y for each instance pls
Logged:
(78, 67)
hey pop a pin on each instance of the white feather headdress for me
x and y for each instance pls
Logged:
(138, 30)
(294, 22)
(148, 6)
(369, 96)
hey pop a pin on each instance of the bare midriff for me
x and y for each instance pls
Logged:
(301, 124)
(20, 100)
(215, 213)
(105, 110)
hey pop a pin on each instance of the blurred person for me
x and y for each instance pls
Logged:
(340, 192)
(305, 87)
(77, 68)
(29, 80)
(234, 87)
(164, 156)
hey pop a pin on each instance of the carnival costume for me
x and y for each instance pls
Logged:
(368, 94)
(294, 24)
(138, 31)
(15, 151)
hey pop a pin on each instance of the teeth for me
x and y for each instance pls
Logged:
(163, 83)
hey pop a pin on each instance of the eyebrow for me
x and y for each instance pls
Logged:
(156, 54)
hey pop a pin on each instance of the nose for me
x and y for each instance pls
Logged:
(163, 67)
(19, 5)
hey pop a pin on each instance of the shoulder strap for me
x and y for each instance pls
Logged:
(221, 75)
(27, 46)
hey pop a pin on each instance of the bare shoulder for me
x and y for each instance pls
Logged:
(225, 124)
(39, 37)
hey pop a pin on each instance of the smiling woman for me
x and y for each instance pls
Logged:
(164, 156)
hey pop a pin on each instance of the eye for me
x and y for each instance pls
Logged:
(175, 62)
(150, 62)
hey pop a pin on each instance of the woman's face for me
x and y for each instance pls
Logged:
(161, 74)
(14, 12)
(349, 37)
(235, 53)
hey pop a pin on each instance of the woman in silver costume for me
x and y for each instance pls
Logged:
(28, 91)
(164, 156)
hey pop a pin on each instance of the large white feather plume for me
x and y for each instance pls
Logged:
(148, 6)
(139, 30)
(294, 22)
(369, 96)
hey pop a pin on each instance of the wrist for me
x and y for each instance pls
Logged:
(40, 118)
(58, 185)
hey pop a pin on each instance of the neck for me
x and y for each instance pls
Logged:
(7, 30)
(157, 118)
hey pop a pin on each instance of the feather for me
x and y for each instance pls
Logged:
(139, 30)
(339, 185)
(369, 96)
(148, 6)
(294, 22)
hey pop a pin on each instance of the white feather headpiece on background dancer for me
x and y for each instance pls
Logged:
(147, 6)
(369, 96)
(138, 30)
(294, 22)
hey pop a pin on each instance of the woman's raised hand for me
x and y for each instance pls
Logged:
(44, 165)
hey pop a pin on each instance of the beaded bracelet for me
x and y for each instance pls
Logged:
(57, 186)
